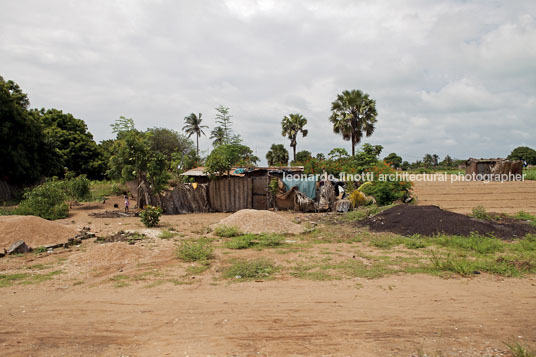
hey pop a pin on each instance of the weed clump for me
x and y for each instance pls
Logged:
(195, 250)
(250, 269)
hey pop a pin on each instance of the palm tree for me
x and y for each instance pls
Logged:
(193, 126)
(353, 114)
(277, 155)
(218, 134)
(292, 125)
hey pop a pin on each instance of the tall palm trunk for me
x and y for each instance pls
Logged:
(197, 145)
(353, 145)
(294, 151)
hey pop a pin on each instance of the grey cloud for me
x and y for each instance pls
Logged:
(451, 77)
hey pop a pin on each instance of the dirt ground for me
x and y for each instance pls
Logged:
(116, 299)
(462, 197)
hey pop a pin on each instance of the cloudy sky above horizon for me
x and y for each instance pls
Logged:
(449, 77)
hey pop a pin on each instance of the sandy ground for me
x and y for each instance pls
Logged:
(401, 315)
(462, 197)
(117, 299)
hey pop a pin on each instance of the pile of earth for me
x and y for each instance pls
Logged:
(260, 221)
(408, 220)
(34, 231)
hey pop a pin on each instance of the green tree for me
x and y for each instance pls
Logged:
(277, 155)
(168, 142)
(523, 153)
(430, 160)
(25, 153)
(133, 158)
(393, 160)
(353, 115)
(224, 157)
(447, 162)
(73, 144)
(291, 126)
(218, 135)
(223, 119)
(123, 125)
(338, 153)
(303, 156)
(193, 126)
(320, 156)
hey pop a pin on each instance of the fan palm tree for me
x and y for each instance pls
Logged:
(353, 115)
(219, 136)
(193, 126)
(292, 125)
(277, 155)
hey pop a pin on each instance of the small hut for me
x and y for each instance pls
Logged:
(493, 167)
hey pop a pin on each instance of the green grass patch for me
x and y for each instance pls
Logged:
(474, 242)
(227, 232)
(255, 240)
(530, 174)
(167, 234)
(519, 350)
(195, 250)
(250, 269)
(198, 269)
(364, 212)
(480, 212)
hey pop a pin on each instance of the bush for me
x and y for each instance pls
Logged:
(150, 216)
(240, 242)
(46, 201)
(250, 269)
(195, 250)
(259, 240)
(78, 188)
(227, 232)
(385, 187)
(479, 212)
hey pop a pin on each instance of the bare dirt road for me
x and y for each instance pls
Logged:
(462, 197)
(120, 299)
(398, 315)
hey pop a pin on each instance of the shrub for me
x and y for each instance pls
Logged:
(150, 216)
(479, 212)
(195, 250)
(386, 187)
(250, 269)
(270, 240)
(227, 232)
(46, 201)
(78, 188)
(260, 240)
(240, 242)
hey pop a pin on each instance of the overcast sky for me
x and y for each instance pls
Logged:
(449, 77)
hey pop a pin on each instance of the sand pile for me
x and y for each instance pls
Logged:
(431, 220)
(35, 231)
(256, 221)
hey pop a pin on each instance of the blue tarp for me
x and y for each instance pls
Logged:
(307, 187)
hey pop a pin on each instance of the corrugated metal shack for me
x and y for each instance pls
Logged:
(243, 188)
(493, 166)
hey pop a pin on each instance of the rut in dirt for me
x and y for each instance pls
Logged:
(408, 220)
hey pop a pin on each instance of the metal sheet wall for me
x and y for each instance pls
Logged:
(230, 194)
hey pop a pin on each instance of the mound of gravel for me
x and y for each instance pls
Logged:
(408, 220)
(34, 231)
(260, 221)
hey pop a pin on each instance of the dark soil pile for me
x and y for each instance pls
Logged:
(408, 220)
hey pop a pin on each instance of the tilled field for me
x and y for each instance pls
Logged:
(462, 197)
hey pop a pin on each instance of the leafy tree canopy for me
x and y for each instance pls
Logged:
(393, 160)
(277, 155)
(73, 144)
(523, 153)
(224, 157)
(303, 156)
